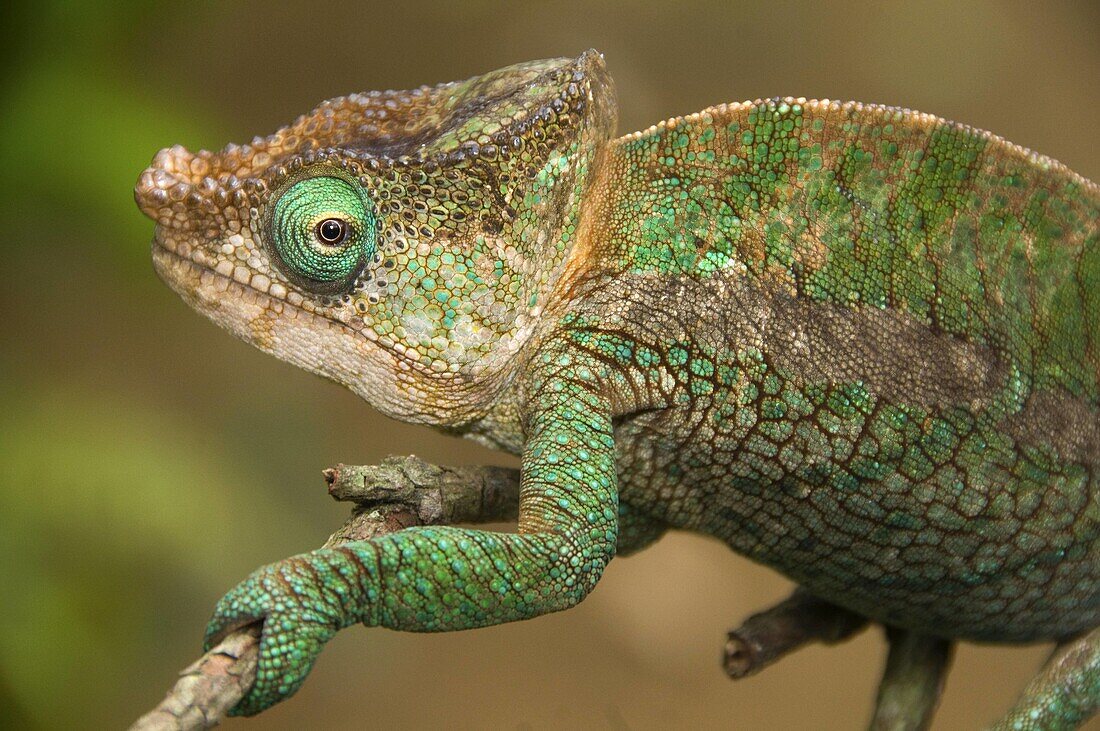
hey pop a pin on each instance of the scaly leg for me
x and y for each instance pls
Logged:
(1064, 694)
(912, 682)
(439, 578)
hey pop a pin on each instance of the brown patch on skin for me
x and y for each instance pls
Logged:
(898, 357)
(751, 246)
(1070, 425)
(586, 252)
(262, 329)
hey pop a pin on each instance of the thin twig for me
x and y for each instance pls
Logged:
(209, 688)
(433, 494)
(767, 636)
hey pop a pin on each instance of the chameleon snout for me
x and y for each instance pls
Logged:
(198, 190)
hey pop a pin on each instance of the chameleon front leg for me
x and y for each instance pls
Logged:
(1064, 694)
(442, 578)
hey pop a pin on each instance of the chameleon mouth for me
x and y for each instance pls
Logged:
(233, 297)
(375, 371)
(232, 303)
(199, 258)
(219, 288)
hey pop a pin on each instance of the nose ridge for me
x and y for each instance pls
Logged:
(162, 184)
(178, 184)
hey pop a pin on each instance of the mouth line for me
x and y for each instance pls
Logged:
(200, 268)
(369, 335)
(160, 248)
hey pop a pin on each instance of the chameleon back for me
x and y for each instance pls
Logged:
(869, 206)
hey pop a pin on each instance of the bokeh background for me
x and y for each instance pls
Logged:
(148, 461)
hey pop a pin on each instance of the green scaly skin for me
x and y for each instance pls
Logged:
(859, 344)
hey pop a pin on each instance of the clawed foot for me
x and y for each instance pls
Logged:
(299, 616)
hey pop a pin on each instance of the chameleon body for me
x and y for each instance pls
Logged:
(857, 343)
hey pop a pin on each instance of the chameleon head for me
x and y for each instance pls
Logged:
(405, 243)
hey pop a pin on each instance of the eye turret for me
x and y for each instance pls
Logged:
(322, 231)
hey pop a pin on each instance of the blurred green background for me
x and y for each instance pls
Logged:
(148, 461)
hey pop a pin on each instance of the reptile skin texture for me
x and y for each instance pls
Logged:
(859, 344)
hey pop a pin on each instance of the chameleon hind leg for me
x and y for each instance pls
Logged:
(767, 636)
(1064, 694)
(912, 681)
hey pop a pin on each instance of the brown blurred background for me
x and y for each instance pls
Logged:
(148, 461)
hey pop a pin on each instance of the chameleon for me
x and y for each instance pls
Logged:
(859, 344)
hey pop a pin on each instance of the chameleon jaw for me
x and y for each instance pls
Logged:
(277, 322)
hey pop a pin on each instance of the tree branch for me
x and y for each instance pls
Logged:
(407, 491)
(399, 493)
(430, 495)
(208, 688)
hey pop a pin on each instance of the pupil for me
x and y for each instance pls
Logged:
(331, 231)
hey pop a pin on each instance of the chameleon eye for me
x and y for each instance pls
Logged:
(332, 231)
(322, 231)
